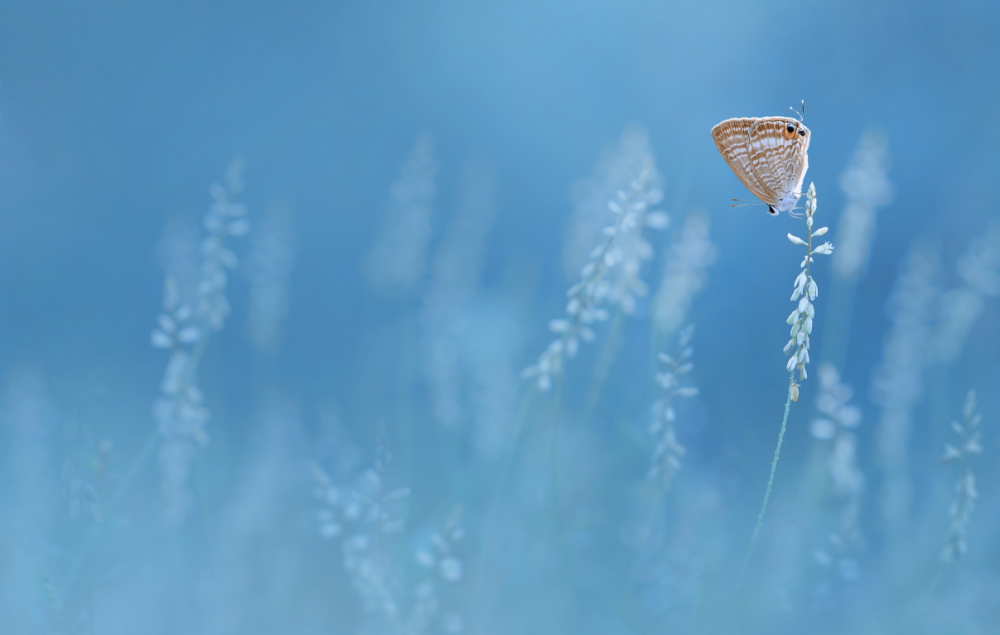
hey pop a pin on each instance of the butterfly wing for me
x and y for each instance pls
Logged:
(732, 138)
(779, 160)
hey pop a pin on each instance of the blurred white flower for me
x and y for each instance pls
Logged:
(847, 481)
(867, 187)
(398, 259)
(223, 220)
(615, 171)
(823, 429)
(684, 273)
(451, 569)
(451, 288)
(180, 416)
(979, 269)
(611, 273)
(966, 494)
(667, 452)
(364, 516)
(897, 385)
(269, 268)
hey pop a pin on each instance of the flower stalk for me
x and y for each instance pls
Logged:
(965, 489)
(801, 320)
(586, 298)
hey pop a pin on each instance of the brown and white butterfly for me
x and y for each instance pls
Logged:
(769, 155)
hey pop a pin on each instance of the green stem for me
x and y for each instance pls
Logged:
(559, 526)
(770, 481)
(204, 508)
(603, 367)
(133, 469)
(647, 536)
(90, 584)
(505, 473)
(81, 559)
(934, 583)
(554, 447)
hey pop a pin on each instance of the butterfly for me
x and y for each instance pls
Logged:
(768, 155)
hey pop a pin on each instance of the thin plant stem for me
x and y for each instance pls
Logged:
(82, 559)
(138, 462)
(505, 472)
(699, 598)
(603, 367)
(197, 354)
(934, 582)
(554, 447)
(402, 423)
(511, 454)
(647, 537)
(557, 518)
(90, 584)
(134, 468)
(204, 509)
(800, 319)
(770, 481)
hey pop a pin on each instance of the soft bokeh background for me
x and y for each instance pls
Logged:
(463, 135)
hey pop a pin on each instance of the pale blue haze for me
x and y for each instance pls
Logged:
(116, 117)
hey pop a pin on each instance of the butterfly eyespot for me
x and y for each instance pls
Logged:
(790, 128)
(802, 133)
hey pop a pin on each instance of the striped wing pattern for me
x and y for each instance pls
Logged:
(763, 157)
(731, 138)
(778, 162)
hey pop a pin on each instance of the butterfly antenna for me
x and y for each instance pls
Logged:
(800, 114)
(739, 203)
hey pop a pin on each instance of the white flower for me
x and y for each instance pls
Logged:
(822, 429)
(159, 339)
(657, 220)
(179, 414)
(684, 273)
(610, 275)
(962, 306)
(867, 187)
(965, 489)
(897, 384)
(559, 326)
(451, 569)
(398, 260)
(425, 558)
(667, 451)
(189, 335)
(804, 291)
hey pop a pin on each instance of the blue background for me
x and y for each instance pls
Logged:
(115, 117)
